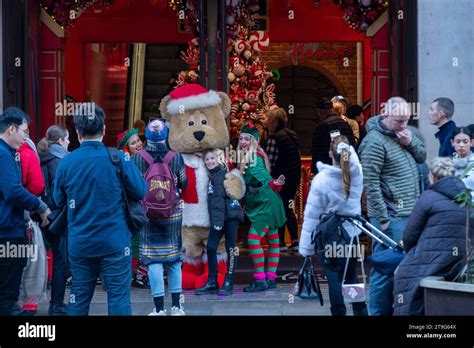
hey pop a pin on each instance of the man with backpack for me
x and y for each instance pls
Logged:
(161, 242)
(87, 184)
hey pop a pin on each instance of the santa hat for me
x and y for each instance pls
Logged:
(189, 97)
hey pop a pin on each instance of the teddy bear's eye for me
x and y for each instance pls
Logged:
(203, 122)
(191, 123)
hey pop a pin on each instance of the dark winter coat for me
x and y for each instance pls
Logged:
(322, 138)
(444, 135)
(14, 198)
(288, 162)
(49, 164)
(434, 239)
(221, 208)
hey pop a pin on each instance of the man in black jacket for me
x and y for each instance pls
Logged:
(283, 150)
(331, 125)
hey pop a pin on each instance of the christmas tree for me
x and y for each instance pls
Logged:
(251, 90)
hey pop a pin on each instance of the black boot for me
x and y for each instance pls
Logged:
(228, 287)
(256, 285)
(211, 287)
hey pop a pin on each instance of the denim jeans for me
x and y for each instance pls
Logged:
(115, 273)
(381, 285)
(11, 271)
(157, 283)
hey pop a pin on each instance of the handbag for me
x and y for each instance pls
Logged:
(134, 212)
(307, 285)
(353, 292)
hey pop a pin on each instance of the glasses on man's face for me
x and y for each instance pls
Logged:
(25, 131)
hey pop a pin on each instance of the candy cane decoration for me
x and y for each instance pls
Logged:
(259, 40)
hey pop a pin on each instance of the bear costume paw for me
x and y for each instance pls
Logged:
(234, 185)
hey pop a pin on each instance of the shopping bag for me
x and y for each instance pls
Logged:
(35, 274)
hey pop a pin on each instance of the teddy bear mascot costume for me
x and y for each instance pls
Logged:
(197, 122)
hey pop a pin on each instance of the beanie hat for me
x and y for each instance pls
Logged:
(124, 137)
(250, 129)
(191, 96)
(157, 136)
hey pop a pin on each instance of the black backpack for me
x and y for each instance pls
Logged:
(328, 233)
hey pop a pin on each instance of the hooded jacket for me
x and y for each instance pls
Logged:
(326, 194)
(390, 171)
(221, 208)
(434, 239)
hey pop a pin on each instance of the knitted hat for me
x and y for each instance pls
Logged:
(157, 133)
(124, 137)
(250, 129)
(189, 97)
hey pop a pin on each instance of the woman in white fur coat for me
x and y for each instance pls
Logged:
(336, 187)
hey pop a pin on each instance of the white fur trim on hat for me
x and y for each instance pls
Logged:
(203, 100)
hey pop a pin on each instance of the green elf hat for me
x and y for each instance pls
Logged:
(124, 137)
(250, 129)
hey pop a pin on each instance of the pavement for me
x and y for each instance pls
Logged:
(275, 302)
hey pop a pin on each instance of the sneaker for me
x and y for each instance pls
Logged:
(57, 309)
(175, 311)
(154, 313)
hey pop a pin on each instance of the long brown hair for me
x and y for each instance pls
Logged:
(53, 135)
(343, 160)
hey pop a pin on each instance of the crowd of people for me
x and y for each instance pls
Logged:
(383, 157)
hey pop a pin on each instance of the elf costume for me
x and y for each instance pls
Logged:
(139, 272)
(265, 211)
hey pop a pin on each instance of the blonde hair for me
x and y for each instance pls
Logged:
(339, 108)
(344, 160)
(442, 167)
(279, 116)
(220, 156)
(245, 157)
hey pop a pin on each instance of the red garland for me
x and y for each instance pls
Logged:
(61, 10)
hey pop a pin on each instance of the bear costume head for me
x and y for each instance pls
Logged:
(197, 118)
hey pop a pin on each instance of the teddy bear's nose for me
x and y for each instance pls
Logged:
(199, 135)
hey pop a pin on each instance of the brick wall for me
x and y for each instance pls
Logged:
(277, 56)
